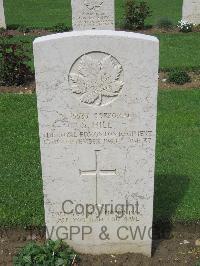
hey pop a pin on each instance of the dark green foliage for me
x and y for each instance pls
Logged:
(24, 29)
(13, 27)
(21, 28)
(179, 77)
(2, 30)
(135, 14)
(51, 253)
(14, 62)
(164, 23)
(61, 27)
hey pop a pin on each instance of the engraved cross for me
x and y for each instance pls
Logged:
(97, 172)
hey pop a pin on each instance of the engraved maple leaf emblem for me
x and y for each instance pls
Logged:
(93, 4)
(96, 79)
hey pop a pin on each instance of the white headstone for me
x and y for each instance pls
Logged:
(97, 105)
(2, 16)
(191, 11)
(93, 14)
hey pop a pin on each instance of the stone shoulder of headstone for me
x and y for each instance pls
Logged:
(2, 15)
(191, 11)
(93, 14)
(97, 109)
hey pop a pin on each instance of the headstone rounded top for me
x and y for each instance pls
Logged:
(97, 34)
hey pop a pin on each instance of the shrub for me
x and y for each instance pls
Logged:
(135, 14)
(60, 28)
(51, 253)
(21, 28)
(179, 77)
(14, 60)
(185, 26)
(13, 27)
(2, 30)
(24, 29)
(164, 23)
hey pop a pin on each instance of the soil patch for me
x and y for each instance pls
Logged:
(194, 84)
(156, 30)
(176, 248)
(27, 89)
(36, 33)
(147, 30)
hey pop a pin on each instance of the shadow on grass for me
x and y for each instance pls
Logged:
(169, 191)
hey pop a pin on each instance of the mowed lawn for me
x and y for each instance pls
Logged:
(177, 182)
(180, 51)
(48, 13)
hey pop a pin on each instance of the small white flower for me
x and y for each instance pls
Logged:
(184, 26)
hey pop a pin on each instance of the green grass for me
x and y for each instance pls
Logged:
(180, 51)
(47, 13)
(21, 200)
(171, 9)
(177, 182)
(38, 13)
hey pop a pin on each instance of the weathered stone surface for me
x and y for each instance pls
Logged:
(2, 16)
(93, 14)
(97, 102)
(191, 11)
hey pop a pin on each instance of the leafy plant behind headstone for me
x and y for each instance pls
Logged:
(135, 14)
(60, 28)
(14, 63)
(179, 77)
